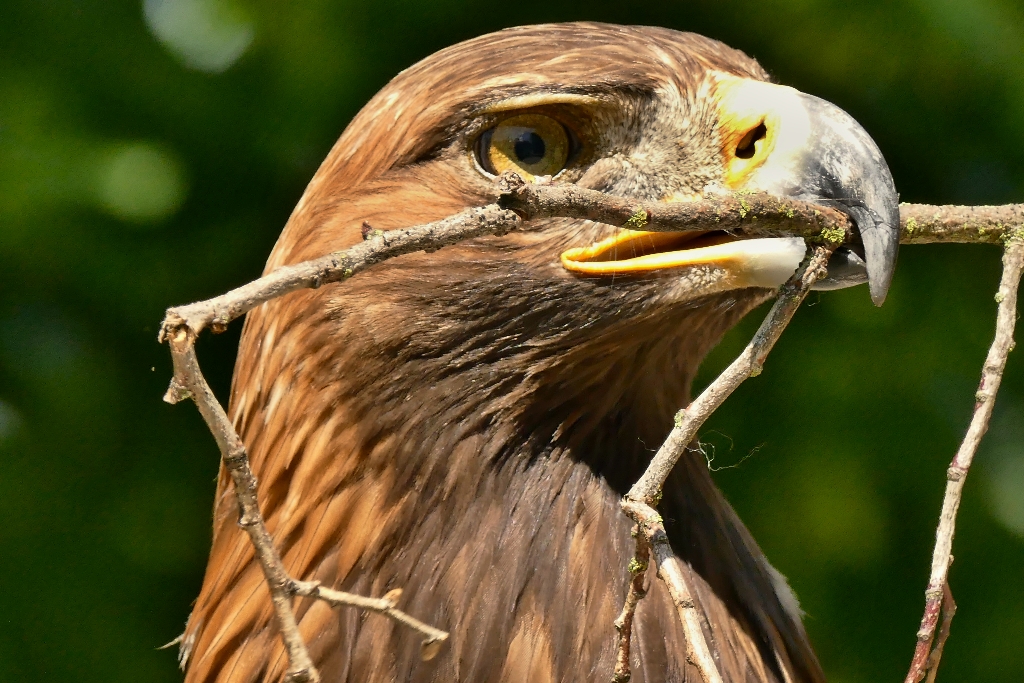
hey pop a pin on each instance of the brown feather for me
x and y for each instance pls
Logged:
(463, 424)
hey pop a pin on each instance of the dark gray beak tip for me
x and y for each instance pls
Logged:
(881, 246)
(845, 169)
(878, 295)
(880, 276)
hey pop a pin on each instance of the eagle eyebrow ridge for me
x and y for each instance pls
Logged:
(524, 97)
(538, 99)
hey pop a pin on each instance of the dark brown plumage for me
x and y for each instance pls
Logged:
(462, 424)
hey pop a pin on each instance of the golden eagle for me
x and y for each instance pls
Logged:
(462, 424)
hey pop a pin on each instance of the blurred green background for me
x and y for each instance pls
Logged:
(151, 152)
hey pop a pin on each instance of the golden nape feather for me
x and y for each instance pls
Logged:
(463, 424)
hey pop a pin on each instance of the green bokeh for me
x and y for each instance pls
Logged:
(147, 161)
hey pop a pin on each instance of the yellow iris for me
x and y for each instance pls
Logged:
(529, 144)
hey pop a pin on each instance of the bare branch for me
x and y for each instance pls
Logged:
(956, 475)
(670, 571)
(948, 610)
(646, 492)
(756, 214)
(189, 382)
(741, 214)
(624, 624)
(433, 637)
(748, 364)
(379, 246)
(927, 224)
(747, 214)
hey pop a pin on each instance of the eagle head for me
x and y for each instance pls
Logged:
(462, 424)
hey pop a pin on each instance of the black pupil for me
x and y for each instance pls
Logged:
(529, 147)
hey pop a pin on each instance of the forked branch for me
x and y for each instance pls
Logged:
(938, 597)
(647, 489)
(743, 215)
(642, 499)
(189, 382)
(636, 592)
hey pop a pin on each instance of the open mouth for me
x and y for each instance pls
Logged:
(638, 251)
(766, 262)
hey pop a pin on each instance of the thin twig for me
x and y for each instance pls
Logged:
(741, 214)
(927, 224)
(189, 382)
(744, 214)
(670, 571)
(956, 475)
(747, 364)
(948, 610)
(756, 214)
(641, 499)
(379, 246)
(433, 637)
(624, 624)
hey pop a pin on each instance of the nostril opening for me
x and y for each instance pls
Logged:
(748, 145)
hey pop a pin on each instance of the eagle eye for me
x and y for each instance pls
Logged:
(529, 144)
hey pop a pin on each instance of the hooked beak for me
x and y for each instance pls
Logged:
(778, 140)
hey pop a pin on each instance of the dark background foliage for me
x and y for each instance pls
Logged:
(150, 153)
